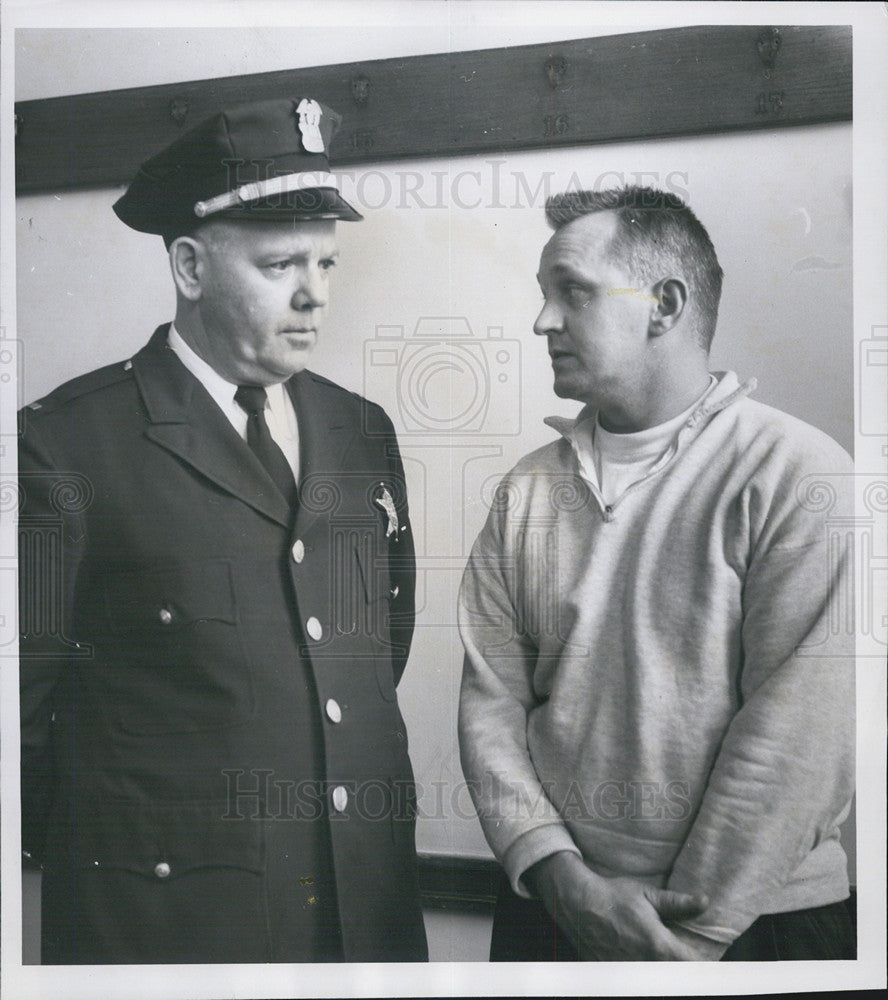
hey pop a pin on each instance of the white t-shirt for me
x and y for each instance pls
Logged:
(619, 460)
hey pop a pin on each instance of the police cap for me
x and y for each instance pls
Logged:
(264, 161)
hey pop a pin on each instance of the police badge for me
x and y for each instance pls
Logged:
(309, 125)
(384, 500)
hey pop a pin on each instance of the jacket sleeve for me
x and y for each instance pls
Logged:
(783, 778)
(401, 557)
(51, 535)
(518, 819)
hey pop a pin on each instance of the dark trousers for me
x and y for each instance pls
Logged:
(523, 931)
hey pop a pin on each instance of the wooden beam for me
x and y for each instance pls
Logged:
(679, 81)
(470, 885)
(448, 882)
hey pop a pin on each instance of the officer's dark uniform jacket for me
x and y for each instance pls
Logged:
(214, 766)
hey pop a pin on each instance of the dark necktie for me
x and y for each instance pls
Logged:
(252, 399)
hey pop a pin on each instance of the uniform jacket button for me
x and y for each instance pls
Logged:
(340, 798)
(166, 616)
(334, 712)
(298, 551)
(314, 628)
(162, 869)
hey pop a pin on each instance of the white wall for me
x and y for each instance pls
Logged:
(777, 205)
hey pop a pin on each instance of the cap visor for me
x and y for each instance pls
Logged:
(305, 205)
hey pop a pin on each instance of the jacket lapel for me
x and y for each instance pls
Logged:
(324, 438)
(186, 421)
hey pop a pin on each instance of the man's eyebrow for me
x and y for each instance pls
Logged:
(561, 270)
(296, 255)
(275, 253)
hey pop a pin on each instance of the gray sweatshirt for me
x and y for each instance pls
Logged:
(665, 686)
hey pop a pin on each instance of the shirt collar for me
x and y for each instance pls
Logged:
(219, 388)
(726, 390)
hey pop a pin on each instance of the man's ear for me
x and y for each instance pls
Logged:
(671, 299)
(186, 265)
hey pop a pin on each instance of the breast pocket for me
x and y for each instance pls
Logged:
(175, 662)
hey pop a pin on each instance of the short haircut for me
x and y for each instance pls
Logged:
(173, 234)
(657, 236)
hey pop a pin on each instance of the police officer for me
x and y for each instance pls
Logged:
(217, 583)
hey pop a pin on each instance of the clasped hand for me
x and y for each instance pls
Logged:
(619, 919)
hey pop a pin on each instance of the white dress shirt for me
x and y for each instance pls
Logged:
(279, 412)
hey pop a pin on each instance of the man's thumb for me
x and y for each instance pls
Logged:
(675, 905)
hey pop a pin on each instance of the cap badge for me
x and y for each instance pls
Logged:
(309, 125)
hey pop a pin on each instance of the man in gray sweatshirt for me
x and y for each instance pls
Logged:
(656, 717)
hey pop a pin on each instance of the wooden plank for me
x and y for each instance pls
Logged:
(470, 885)
(679, 81)
(451, 882)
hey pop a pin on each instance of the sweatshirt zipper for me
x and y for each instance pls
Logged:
(608, 510)
(706, 410)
